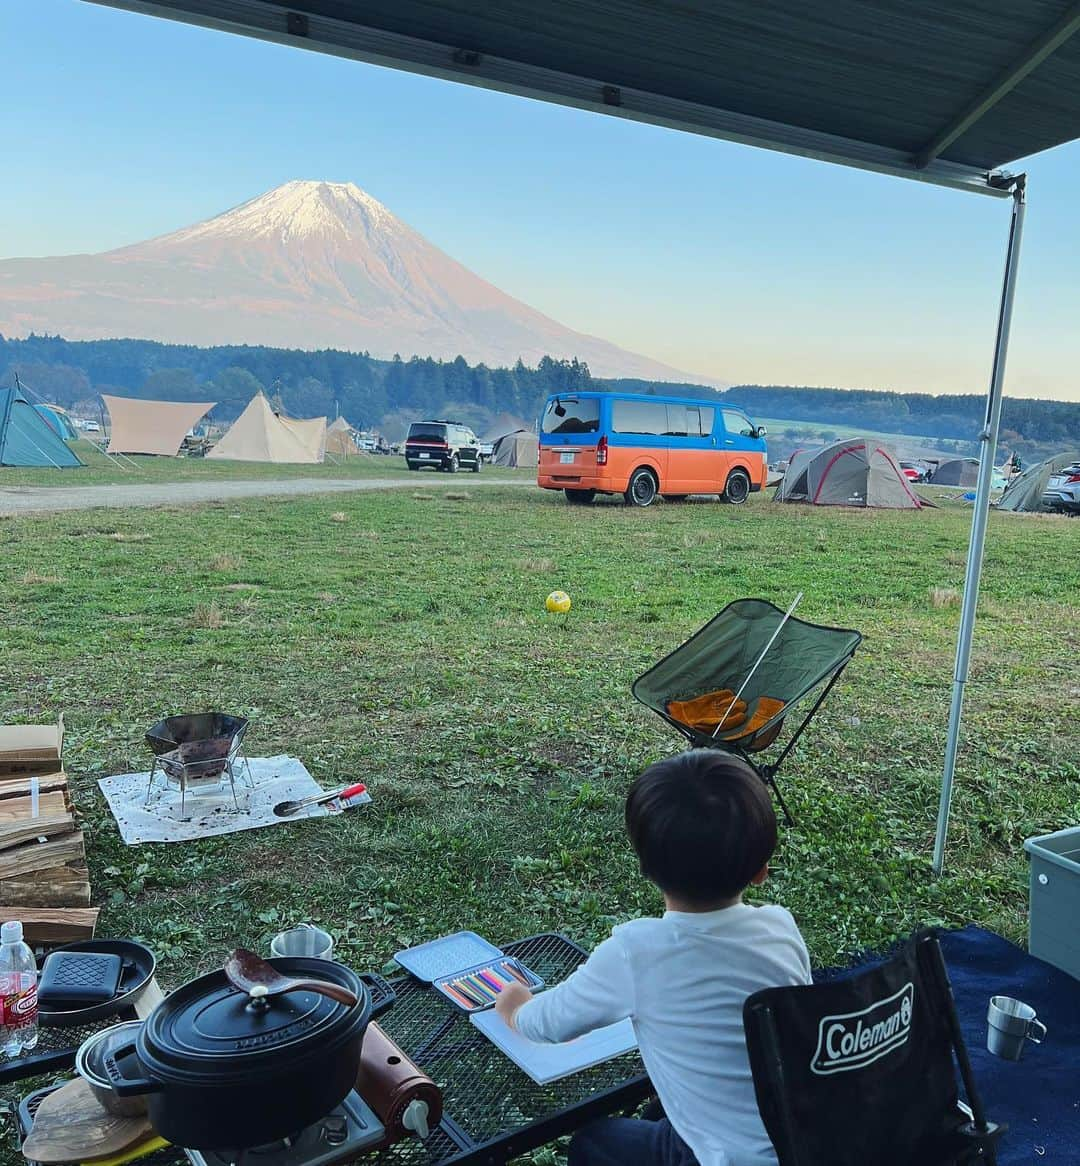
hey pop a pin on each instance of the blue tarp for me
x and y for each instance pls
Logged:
(26, 438)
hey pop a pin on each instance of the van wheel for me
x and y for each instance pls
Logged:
(477, 464)
(452, 465)
(737, 489)
(579, 497)
(674, 497)
(641, 490)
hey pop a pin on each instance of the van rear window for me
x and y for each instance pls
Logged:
(419, 429)
(572, 415)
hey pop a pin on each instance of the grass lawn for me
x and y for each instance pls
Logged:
(401, 638)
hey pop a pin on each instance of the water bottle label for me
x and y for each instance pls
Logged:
(19, 1007)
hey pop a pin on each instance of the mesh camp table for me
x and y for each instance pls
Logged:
(493, 1111)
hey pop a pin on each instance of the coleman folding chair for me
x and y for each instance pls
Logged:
(713, 666)
(861, 1069)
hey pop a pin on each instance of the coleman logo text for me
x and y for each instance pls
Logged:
(856, 1039)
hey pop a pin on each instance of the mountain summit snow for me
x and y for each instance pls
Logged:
(307, 265)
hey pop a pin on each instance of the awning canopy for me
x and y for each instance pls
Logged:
(151, 427)
(947, 91)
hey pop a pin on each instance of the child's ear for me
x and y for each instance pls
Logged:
(760, 877)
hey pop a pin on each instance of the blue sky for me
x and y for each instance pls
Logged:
(738, 263)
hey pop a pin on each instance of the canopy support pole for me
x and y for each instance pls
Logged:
(988, 442)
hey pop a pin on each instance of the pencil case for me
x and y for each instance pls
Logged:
(478, 987)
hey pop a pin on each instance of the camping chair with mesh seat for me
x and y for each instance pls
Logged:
(861, 1069)
(693, 687)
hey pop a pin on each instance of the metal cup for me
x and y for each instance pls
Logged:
(1011, 1023)
(304, 940)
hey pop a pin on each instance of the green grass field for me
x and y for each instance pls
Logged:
(401, 638)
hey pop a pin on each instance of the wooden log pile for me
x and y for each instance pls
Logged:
(44, 880)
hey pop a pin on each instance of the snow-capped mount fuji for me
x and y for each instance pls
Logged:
(307, 265)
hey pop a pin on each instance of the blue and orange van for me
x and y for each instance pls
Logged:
(642, 446)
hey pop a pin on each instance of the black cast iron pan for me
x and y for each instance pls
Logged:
(138, 970)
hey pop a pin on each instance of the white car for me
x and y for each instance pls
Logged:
(92, 427)
(1062, 491)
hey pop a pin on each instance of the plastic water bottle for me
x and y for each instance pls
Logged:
(18, 992)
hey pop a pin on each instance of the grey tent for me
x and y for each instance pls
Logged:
(856, 471)
(1024, 493)
(516, 449)
(958, 471)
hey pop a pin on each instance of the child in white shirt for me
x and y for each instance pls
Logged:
(703, 828)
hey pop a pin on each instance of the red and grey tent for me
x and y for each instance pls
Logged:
(856, 471)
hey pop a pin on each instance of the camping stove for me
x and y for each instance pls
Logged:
(347, 1129)
(198, 748)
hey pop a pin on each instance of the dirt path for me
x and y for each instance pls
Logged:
(44, 499)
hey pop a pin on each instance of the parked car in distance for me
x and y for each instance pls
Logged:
(1062, 492)
(92, 427)
(442, 445)
(913, 471)
(487, 450)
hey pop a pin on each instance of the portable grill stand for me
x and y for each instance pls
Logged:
(182, 772)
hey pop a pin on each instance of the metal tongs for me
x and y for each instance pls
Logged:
(287, 809)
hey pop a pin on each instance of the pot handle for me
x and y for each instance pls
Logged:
(115, 1065)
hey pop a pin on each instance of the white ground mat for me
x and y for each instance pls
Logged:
(209, 808)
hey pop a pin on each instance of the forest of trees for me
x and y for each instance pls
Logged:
(389, 393)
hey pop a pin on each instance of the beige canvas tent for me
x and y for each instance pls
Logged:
(516, 449)
(261, 435)
(157, 427)
(339, 438)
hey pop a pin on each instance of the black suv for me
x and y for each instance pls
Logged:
(445, 445)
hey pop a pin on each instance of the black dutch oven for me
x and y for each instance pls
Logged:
(223, 1070)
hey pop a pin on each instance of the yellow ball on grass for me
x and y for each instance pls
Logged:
(558, 601)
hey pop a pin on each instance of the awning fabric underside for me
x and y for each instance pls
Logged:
(945, 90)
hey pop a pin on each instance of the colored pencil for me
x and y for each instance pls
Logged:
(467, 990)
(456, 995)
(517, 974)
(479, 986)
(492, 981)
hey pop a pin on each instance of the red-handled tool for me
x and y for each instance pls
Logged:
(286, 809)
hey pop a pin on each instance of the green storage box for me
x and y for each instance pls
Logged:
(1054, 917)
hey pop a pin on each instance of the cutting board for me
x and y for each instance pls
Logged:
(71, 1125)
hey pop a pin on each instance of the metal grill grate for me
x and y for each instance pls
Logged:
(487, 1098)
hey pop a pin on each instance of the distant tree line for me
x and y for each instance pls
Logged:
(372, 392)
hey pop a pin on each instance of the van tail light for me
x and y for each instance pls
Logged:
(1073, 478)
(601, 451)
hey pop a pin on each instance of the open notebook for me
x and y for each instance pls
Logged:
(545, 1063)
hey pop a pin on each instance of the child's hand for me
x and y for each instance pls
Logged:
(509, 1000)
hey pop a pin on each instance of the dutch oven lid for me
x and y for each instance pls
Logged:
(210, 1030)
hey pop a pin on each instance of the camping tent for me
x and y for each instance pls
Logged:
(958, 471)
(152, 427)
(26, 438)
(58, 421)
(261, 435)
(855, 471)
(339, 438)
(516, 449)
(1024, 493)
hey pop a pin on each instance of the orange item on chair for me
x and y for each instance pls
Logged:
(766, 708)
(704, 712)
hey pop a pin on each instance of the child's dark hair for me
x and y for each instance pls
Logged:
(702, 825)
